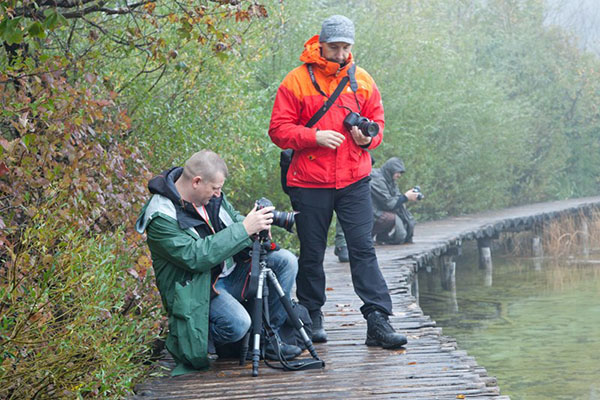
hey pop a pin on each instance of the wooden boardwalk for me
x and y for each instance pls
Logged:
(429, 367)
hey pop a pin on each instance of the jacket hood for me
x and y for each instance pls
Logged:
(312, 55)
(391, 166)
(187, 216)
(164, 184)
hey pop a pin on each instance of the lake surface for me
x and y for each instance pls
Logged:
(533, 325)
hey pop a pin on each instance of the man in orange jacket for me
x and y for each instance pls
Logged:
(330, 171)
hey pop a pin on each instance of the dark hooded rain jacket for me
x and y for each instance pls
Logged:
(387, 197)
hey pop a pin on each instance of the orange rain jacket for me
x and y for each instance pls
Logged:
(298, 100)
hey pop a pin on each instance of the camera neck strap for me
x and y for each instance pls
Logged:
(331, 99)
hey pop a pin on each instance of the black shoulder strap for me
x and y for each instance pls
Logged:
(353, 84)
(330, 100)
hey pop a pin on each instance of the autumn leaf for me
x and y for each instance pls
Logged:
(150, 7)
(3, 169)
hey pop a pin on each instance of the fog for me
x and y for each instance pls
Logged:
(581, 17)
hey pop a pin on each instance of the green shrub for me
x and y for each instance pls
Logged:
(77, 311)
(77, 317)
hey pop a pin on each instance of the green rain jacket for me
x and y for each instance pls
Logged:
(186, 253)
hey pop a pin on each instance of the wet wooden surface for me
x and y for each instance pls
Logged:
(429, 367)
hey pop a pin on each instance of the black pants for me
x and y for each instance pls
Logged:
(352, 205)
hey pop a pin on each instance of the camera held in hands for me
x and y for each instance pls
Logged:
(282, 219)
(365, 125)
(417, 189)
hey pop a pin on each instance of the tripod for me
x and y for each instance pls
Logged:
(258, 288)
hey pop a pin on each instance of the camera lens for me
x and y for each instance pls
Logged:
(283, 219)
(369, 128)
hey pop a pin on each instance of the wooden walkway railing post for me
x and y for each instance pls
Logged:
(585, 237)
(485, 258)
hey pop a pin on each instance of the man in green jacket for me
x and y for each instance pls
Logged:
(198, 241)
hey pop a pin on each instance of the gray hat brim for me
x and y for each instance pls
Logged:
(339, 39)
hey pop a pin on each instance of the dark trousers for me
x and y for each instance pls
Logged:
(352, 205)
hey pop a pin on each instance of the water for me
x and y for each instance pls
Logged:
(536, 328)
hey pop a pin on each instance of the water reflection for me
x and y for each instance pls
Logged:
(534, 324)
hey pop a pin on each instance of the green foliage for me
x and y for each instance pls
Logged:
(71, 279)
(77, 318)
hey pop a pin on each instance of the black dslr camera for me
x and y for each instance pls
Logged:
(417, 189)
(281, 219)
(366, 126)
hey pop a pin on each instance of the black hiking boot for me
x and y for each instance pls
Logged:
(381, 333)
(287, 351)
(318, 332)
(342, 253)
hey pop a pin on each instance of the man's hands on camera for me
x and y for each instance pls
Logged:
(359, 138)
(333, 139)
(411, 195)
(258, 220)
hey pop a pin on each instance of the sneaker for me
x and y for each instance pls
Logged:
(381, 333)
(342, 253)
(318, 332)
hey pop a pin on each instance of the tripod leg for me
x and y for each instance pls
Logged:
(287, 304)
(257, 323)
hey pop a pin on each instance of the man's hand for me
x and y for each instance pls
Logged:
(411, 195)
(359, 138)
(257, 221)
(330, 139)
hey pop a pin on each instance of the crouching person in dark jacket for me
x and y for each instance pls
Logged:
(194, 235)
(393, 223)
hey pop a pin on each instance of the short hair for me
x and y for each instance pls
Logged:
(206, 164)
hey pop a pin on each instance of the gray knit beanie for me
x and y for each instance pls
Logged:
(337, 28)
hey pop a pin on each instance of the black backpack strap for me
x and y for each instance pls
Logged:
(330, 100)
(353, 84)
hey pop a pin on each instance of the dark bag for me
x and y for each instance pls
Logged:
(285, 159)
(287, 331)
(286, 156)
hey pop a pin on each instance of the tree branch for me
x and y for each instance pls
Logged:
(64, 8)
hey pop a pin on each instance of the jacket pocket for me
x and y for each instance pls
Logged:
(311, 165)
(360, 162)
